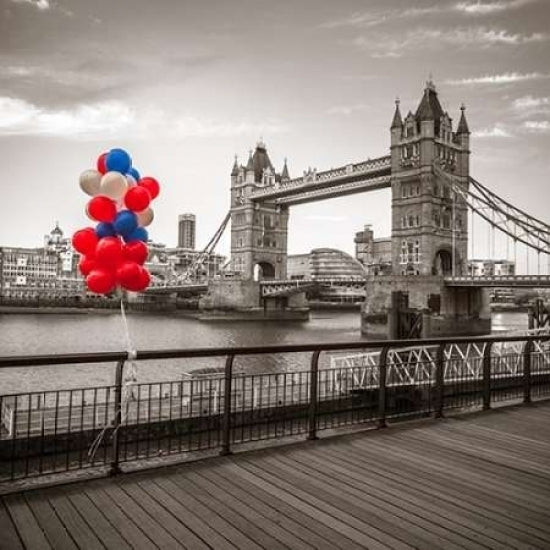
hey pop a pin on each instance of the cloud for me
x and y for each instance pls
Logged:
(41, 5)
(468, 37)
(537, 126)
(487, 8)
(116, 119)
(471, 8)
(347, 110)
(503, 78)
(18, 117)
(528, 105)
(497, 131)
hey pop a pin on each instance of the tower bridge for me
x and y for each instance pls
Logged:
(434, 201)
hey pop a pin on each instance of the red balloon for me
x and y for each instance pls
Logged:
(128, 275)
(136, 251)
(152, 185)
(101, 167)
(86, 264)
(101, 281)
(137, 198)
(102, 209)
(85, 240)
(108, 252)
(145, 279)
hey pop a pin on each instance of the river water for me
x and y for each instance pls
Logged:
(33, 334)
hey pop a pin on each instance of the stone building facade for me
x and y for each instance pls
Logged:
(429, 222)
(258, 231)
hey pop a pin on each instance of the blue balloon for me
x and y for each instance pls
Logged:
(118, 160)
(139, 234)
(104, 229)
(134, 173)
(125, 223)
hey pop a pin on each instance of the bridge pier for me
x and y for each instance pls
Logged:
(422, 306)
(239, 299)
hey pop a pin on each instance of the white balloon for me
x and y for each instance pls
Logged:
(90, 181)
(145, 217)
(113, 185)
(131, 180)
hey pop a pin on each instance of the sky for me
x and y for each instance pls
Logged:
(185, 85)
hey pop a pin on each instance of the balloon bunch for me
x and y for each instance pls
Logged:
(113, 253)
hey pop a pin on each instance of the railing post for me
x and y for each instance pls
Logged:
(115, 466)
(439, 380)
(527, 351)
(382, 375)
(487, 376)
(313, 395)
(226, 422)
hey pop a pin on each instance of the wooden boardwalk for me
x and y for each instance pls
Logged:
(478, 481)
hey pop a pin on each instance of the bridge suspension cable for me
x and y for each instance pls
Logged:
(206, 252)
(500, 215)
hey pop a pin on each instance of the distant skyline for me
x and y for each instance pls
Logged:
(184, 86)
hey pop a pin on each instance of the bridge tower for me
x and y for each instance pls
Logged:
(429, 224)
(258, 229)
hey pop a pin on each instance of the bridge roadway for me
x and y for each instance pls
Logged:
(473, 481)
(290, 286)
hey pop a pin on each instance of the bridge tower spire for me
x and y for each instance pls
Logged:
(429, 224)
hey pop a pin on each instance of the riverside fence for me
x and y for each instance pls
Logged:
(108, 427)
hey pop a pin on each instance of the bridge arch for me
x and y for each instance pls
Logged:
(264, 271)
(443, 262)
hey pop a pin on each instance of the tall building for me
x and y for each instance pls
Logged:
(374, 254)
(186, 231)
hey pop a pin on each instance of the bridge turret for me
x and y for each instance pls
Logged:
(284, 174)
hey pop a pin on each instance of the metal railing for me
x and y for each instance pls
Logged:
(55, 431)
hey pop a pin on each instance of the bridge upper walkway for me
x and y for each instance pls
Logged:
(478, 481)
(351, 178)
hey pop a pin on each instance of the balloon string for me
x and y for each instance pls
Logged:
(128, 394)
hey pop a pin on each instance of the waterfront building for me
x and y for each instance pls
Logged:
(47, 272)
(186, 231)
(374, 254)
(329, 263)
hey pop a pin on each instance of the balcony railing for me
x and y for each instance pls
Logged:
(352, 383)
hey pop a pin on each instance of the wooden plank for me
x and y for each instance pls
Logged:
(97, 521)
(497, 524)
(173, 525)
(213, 519)
(341, 521)
(275, 527)
(9, 539)
(55, 531)
(324, 536)
(28, 528)
(465, 477)
(471, 528)
(156, 532)
(128, 529)
(78, 529)
(238, 521)
(195, 523)
(288, 522)
(462, 490)
(490, 470)
(413, 528)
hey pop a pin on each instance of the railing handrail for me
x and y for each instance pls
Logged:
(180, 353)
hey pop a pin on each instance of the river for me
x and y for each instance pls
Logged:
(32, 334)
